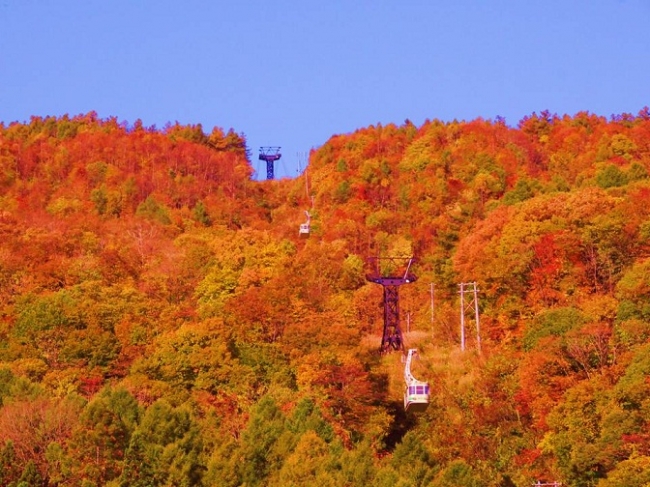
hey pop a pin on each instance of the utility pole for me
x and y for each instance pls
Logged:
(432, 308)
(471, 306)
(462, 316)
(478, 321)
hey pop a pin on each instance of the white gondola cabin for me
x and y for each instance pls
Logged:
(304, 227)
(416, 392)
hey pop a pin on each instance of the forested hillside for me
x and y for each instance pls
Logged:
(163, 322)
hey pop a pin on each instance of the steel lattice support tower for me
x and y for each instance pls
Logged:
(392, 336)
(270, 155)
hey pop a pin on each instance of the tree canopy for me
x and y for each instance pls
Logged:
(163, 322)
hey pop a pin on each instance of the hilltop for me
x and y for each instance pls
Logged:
(163, 322)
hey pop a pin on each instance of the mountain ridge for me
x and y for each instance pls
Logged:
(146, 279)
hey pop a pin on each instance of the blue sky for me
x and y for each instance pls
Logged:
(294, 73)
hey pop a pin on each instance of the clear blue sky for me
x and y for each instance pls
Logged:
(293, 73)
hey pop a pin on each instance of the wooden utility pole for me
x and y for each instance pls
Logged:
(462, 316)
(478, 321)
(432, 306)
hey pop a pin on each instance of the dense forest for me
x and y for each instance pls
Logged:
(163, 322)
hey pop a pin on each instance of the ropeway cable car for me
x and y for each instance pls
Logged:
(304, 227)
(416, 392)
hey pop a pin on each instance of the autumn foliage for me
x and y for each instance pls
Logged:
(162, 322)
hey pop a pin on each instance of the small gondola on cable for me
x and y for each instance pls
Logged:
(416, 392)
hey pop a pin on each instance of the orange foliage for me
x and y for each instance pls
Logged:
(140, 232)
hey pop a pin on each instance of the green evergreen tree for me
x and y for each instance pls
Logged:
(611, 177)
(412, 460)
(358, 467)
(259, 439)
(457, 474)
(30, 476)
(9, 467)
(152, 210)
(307, 465)
(99, 444)
(164, 449)
(201, 214)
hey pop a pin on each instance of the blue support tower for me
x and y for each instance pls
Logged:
(270, 155)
